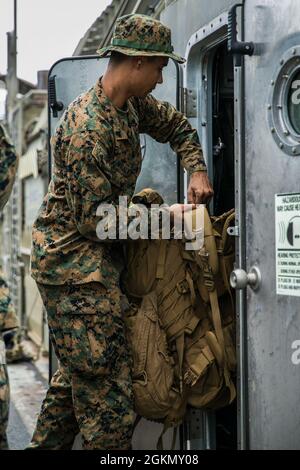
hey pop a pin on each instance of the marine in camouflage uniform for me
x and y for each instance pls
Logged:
(8, 319)
(97, 158)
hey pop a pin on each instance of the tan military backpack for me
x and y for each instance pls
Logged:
(182, 330)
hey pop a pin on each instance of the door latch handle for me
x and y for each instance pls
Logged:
(239, 279)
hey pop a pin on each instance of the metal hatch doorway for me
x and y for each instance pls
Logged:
(209, 83)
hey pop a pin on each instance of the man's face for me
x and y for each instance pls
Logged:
(148, 75)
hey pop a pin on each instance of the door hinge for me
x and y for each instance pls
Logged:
(188, 102)
(233, 231)
(53, 103)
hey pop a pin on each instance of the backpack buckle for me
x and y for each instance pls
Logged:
(203, 259)
(208, 280)
(183, 286)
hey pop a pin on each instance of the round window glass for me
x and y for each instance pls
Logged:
(293, 102)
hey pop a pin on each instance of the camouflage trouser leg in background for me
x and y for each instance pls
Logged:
(92, 390)
(4, 406)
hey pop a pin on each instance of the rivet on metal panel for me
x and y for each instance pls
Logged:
(286, 132)
(269, 106)
(281, 145)
(294, 51)
(190, 105)
(203, 123)
(272, 129)
(294, 149)
(279, 106)
(285, 76)
(281, 62)
(272, 82)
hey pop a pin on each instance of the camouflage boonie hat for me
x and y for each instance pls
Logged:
(141, 35)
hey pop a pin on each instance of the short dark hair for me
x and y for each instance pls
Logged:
(117, 58)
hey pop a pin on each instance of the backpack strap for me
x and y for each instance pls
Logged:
(173, 419)
(180, 352)
(220, 336)
(216, 319)
(161, 261)
(214, 304)
(142, 341)
(160, 444)
(229, 219)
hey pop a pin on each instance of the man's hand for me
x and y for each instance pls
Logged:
(200, 190)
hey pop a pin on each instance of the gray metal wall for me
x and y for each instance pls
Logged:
(185, 17)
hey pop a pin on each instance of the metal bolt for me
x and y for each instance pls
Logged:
(272, 129)
(294, 150)
(285, 76)
(286, 132)
(294, 51)
(203, 124)
(281, 62)
(272, 82)
(269, 106)
(279, 106)
(281, 145)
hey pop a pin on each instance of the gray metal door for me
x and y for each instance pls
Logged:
(268, 205)
(160, 169)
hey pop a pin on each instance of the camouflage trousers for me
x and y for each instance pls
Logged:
(4, 406)
(91, 392)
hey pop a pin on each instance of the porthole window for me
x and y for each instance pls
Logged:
(293, 102)
(284, 103)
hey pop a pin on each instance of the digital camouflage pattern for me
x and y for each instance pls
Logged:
(4, 405)
(8, 319)
(91, 391)
(141, 35)
(97, 158)
(8, 166)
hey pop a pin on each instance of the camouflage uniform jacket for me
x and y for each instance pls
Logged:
(97, 158)
(8, 166)
(8, 318)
